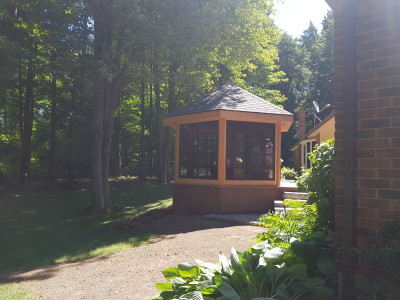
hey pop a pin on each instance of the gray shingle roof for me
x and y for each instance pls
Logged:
(233, 98)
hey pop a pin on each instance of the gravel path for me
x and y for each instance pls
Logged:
(132, 274)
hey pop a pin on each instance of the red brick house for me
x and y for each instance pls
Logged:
(367, 112)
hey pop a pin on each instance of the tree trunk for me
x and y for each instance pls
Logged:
(21, 100)
(119, 145)
(166, 149)
(158, 123)
(53, 133)
(142, 166)
(166, 152)
(150, 126)
(26, 137)
(105, 102)
(69, 155)
(99, 201)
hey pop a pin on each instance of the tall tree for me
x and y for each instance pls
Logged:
(308, 65)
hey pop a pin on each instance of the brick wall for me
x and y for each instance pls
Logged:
(376, 106)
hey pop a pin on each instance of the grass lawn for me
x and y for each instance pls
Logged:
(15, 291)
(44, 228)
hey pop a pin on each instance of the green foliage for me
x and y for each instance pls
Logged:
(382, 261)
(308, 64)
(178, 50)
(316, 252)
(294, 261)
(288, 173)
(244, 276)
(299, 220)
(319, 182)
(305, 241)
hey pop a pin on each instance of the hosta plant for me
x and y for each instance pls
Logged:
(244, 276)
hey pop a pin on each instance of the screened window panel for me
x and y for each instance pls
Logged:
(198, 150)
(248, 155)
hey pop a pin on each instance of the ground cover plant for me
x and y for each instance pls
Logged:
(48, 227)
(244, 276)
(303, 237)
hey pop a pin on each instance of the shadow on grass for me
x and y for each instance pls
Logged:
(46, 228)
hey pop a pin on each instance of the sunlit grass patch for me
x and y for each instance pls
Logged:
(15, 291)
(39, 229)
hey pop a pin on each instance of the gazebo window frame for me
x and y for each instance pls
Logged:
(198, 150)
(243, 156)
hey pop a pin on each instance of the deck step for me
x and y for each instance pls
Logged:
(298, 200)
(295, 195)
(279, 203)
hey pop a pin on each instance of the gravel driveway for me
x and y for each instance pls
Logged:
(132, 274)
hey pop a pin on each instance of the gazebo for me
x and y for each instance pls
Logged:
(227, 153)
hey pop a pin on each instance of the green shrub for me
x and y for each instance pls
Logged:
(305, 241)
(301, 220)
(383, 258)
(246, 275)
(288, 173)
(319, 182)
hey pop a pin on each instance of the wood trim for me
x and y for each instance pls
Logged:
(177, 141)
(278, 146)
(286, 120)
(255, 117)
(221, 151)
(227, 182)
(192, 118)
(251, 182)
(196, 181)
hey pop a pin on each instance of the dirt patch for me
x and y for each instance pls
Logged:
(132, 274)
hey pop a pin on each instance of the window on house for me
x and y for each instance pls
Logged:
(250, 151)
(306, 149)
(198, 150)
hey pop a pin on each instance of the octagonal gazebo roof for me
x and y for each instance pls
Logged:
(231, 98)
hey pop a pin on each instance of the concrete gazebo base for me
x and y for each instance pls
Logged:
(226, 199)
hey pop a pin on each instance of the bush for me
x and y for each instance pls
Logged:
(246, 275)
(305, 241)
(288, 173)
(301, 220)
(319, 182)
